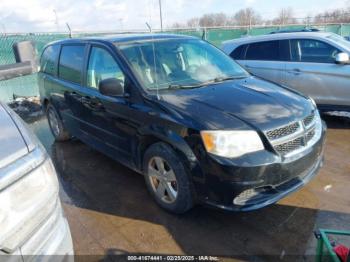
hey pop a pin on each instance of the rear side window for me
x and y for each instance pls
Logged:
(314, 51)
(71, 63)
(238, 53)
(267, 51)
(48, 59)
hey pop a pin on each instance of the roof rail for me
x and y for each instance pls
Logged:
(295, 30)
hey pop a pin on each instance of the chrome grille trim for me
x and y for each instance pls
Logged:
(289, 146)
(309, 120)
(288, 138)
(307, 131)
(283, 131)
(309, 135)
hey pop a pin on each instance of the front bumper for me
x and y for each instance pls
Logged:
(257, 181)
(52, 240)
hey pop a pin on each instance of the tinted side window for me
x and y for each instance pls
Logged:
(48, 59)
(315, 51)
(71, 63)
(102, 66)
(284, 51)
(268, 51)
(238, 53)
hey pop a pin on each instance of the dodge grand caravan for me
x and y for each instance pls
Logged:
(32, 223)
(179, 111)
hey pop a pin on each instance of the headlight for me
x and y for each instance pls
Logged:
(231, 143)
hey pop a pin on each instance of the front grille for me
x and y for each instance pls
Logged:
(287, 139)
(283, 131)
(308, 120)
(289, 146)
(309, 135)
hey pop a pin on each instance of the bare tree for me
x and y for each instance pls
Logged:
(214, 19)
(193, 22)
(307, 20)
(285, 17)
(177, 25)
(335, 16)
(246, 17)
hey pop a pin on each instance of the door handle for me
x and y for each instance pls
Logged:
(85, 99)
(73, 95)
(92, 102)
(295, 71)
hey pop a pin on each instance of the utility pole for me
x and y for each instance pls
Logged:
(3, 28)
(160, 15)
(56, 21)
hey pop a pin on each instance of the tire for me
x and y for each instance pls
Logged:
(157, 181)
(56, 126)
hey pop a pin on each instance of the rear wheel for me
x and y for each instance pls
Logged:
(56, 125)
(166, 178)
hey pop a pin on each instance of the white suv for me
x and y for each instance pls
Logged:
(32, 222)
(314, 63)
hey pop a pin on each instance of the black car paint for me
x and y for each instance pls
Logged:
(123, 127)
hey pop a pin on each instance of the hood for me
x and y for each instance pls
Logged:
(257, 103)
(12, 143)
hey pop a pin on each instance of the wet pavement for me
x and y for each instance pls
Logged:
(110, 211)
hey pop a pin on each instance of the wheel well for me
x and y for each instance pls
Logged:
(149, 140)
(45, 103)
(145, 143)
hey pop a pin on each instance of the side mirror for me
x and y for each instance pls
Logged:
(111, 87)
(342, 58)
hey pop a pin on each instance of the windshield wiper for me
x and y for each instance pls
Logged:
(222, 79)
(182, 86)
(215, 80)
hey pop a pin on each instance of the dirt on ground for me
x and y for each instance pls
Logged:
(110, 211)
(29, 108)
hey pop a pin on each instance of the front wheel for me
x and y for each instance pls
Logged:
(57, 129)
(167, 179)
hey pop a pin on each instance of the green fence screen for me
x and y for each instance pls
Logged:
(27, 86)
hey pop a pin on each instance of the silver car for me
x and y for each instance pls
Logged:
(314, 63)
(32, 222)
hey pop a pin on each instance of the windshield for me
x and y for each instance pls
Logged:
(179, 63)
(340, 40)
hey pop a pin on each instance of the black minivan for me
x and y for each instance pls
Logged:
(179, 111)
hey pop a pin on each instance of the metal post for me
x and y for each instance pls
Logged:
(250, 22)
(3, 28)
(160, 15)
(56, 21)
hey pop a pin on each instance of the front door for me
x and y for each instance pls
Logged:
(313, 71)
(107, 119)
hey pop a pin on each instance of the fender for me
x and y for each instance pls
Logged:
(175, 138)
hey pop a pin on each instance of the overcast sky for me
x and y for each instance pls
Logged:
(103, 15)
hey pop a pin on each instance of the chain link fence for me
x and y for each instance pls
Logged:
(27, 86)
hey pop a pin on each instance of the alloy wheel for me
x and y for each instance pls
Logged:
(162, 179)
(53, 121)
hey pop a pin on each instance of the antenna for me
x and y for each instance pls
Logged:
(70, 30)
(160, 15)
(154, 54)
